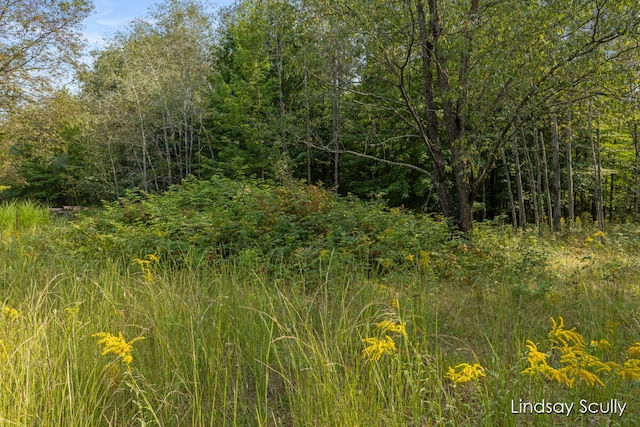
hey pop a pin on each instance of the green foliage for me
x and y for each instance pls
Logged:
(328, 342)
(290, 221)
(19, 216)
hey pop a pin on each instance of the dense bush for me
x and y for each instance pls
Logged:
(290, 221)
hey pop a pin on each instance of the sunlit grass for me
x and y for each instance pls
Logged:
(234, 343)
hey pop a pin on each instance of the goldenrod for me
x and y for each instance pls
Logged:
(389, 326)
(377, 347)
(568, 338)
(465, 372)
(116, 345)
(10, 313)
(630, 370)
(634, 351)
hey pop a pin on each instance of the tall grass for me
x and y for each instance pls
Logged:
(232, 343)
(24, 215)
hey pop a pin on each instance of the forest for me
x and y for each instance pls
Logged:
(471, 111)
(318, 213)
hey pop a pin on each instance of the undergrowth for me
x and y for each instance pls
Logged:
(364, 316)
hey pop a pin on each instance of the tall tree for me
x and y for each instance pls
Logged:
(39, 40)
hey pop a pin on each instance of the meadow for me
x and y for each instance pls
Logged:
(255, 305)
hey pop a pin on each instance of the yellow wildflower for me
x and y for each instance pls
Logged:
(598, 234)
(538, 363)
(630, 370)
(568, 338)
(464, 372)
(10, 313)
(634, 351)
(601, 344)
(411, 257)
(116, 345)
(389, 326)
(72, 311)
(377, 347)
(145, 265)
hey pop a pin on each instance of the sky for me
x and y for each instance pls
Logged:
(111, 16)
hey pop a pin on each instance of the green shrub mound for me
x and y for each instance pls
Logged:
(288, 222)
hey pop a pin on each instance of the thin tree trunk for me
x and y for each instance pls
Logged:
(571, 215)
(522, 214)
(512, 204)
(557, 208)
(611, 190)
(636, 199)
(545, 179)
(597, 172)
(307, 121)
(532, 183)
(538, 174)
(335, 107)
(145, 185)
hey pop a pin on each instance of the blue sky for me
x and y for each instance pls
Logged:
(110, 16)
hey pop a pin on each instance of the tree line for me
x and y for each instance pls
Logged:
(469, 109)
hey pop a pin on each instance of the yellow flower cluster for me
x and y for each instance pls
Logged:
(116, 345)
(385, 345)
(389, 326)
(9, 313)
(72, 311)
(146, 265)
(465, 372)
(577, 363)
(597, 235)
(377, 347)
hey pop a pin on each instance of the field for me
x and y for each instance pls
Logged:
(99, 327)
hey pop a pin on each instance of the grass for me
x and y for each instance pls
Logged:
(231, 343)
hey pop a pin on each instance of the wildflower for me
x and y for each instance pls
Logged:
(597, 234)
(630, 370)
(464, 372)
(72, 311)
(601, 344)
(411, 257)
(116, 345)
(9, 313)
(377, 347)
(538, 362)
(634, 351)
(587, 241)
(145, 265)
(389, 326)
(568, 338)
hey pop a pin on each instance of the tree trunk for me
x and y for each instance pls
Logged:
(545, 179)
(335, 109)
(507, 174)
(532, 183)
(597, 172)
(522, 214)
(557, 208)
(307, 121)
(636, 199)
(571, 216)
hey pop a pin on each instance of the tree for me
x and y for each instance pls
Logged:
(147, 92)
(480, 69)
(38, 40)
